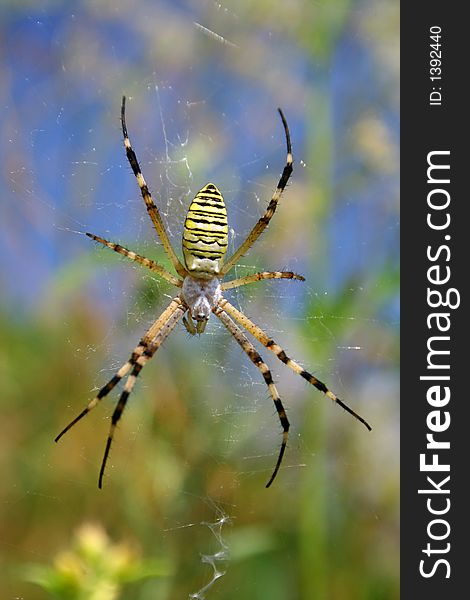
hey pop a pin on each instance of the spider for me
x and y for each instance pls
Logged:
(200, 283)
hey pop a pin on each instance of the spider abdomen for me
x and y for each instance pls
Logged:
(205, 235)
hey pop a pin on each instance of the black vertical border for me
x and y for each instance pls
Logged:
(425, 128)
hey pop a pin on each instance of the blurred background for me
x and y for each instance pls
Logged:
(184, 511)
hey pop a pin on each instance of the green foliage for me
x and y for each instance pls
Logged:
(94, 568)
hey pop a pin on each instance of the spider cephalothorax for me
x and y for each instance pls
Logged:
(201, 284)
(201, 296)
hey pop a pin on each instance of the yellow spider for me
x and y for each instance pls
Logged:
(205, 240)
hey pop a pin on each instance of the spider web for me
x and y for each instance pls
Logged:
(164, 147)
(165, 150)
(174, 180)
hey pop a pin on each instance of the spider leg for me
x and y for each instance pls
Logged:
(149, 203)
(264, 220)
(269, 343)
(139, 364)
(256, 359)
(143, 345)
(234, 283)
(146, 262)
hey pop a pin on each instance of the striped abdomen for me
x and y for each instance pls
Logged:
(205, 235)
